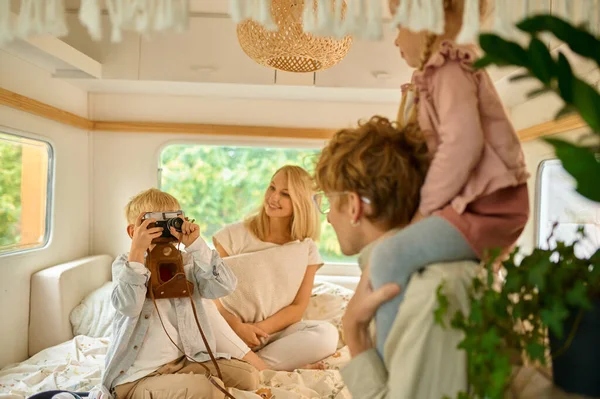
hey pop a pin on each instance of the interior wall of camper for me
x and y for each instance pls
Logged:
(95, 173)
(70, 213)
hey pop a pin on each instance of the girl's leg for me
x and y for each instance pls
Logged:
(396, 258)
(303, 343)
(227, 341)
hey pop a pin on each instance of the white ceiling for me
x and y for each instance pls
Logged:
(207, 60)
(209, 52)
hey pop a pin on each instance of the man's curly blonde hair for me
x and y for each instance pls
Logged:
(378, 161)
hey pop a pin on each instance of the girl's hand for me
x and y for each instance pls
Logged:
(361, 310)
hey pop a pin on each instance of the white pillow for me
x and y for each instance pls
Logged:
(268, 280)
(93, 317)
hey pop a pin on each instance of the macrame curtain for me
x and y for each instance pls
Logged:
(47, 17)
(363, 20)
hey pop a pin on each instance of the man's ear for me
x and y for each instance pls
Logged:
(130, 231)
(354, 207)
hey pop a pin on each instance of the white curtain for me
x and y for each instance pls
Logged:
(363, 18)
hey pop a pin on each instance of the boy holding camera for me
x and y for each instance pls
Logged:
(144, 359)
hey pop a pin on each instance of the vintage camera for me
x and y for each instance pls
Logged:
(167, 276)
(166, 220)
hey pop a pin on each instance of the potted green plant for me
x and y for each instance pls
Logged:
(550, 291)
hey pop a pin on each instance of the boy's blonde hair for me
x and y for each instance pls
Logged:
(305, 216)
(152, 200)
(379, 162)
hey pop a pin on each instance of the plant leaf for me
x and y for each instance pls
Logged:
(594, 279)
(536, 351)
(458, 321)
(554, 318)
(476, 316)
(483, 62)
(581, 163)
(513, 283)
(541, 63)
(587, 100)
(500, 373)
(537, 273)
(578, 295)
(490, 340)
(577, 38)
(504, 51)
(442, 308)
(595, 258)
(565, 78)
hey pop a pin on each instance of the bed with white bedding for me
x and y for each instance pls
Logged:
(71, 312)
(77, 364)
(70, 334)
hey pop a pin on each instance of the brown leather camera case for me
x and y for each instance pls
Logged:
(167, 277)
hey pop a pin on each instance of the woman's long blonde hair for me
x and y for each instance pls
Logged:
(305, 217)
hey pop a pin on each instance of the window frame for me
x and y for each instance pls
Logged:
(539, 240)
(235, 141)
(538, 199)
(329, 268)
(50, 191)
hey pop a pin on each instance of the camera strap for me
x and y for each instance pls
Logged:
(207, 373)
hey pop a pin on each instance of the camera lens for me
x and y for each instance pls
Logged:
(176, 223)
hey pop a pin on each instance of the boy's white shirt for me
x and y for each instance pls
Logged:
(157, 350)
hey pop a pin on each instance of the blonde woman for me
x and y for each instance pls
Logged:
(282, 341)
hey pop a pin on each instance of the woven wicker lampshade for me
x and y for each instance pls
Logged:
(289, 48)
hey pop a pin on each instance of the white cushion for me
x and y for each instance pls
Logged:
(94, 315)
(268, 280)
(55, 292)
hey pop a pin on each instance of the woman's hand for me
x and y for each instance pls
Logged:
(361, 310)
(250, 334)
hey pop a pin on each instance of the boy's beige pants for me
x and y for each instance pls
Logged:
(182, 379)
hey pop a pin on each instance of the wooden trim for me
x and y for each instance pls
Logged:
(34, 174)
(218, 130)
(571, 122)
(23, 103)
(38, 108)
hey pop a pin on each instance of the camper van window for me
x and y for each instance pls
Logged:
(558, 202)
(218, 185)
(25, 187)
